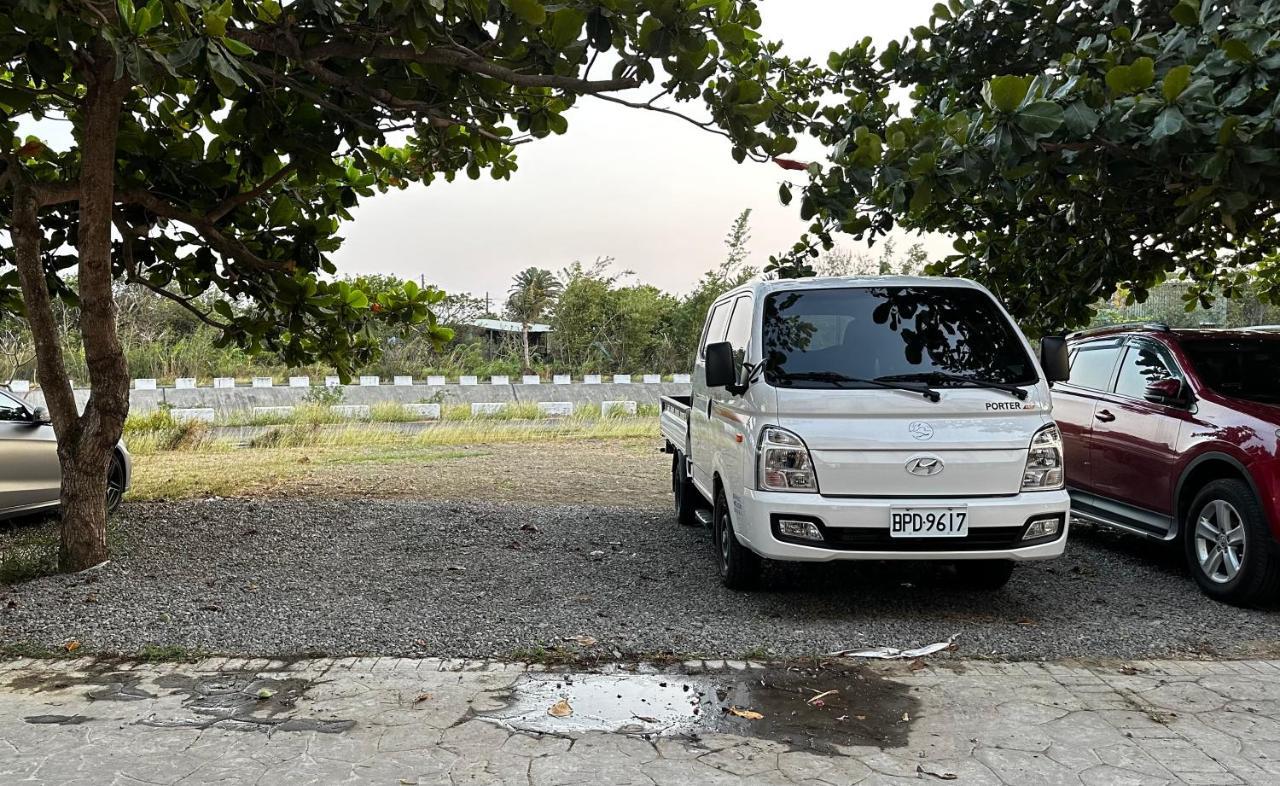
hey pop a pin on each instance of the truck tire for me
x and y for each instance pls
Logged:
(1229, 547)
(683, 492)
(739, 565)
(984, 574)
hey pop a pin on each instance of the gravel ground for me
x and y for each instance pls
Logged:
(344, 577)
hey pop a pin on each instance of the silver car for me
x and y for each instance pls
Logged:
(30, 476)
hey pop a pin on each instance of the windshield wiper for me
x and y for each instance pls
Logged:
(1013, 390)
(842, 381)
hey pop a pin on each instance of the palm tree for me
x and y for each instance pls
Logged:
(532, 296)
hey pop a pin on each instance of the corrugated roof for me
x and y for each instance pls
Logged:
(507, 326)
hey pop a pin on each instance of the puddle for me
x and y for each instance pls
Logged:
(243, 701)
(57, 720)
(864, 709)
(108, 686)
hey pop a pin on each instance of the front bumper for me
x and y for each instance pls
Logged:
(858, 528)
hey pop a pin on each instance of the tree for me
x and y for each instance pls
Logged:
(532, 296)
(841, 261)
(1070, 147)
(218, 146)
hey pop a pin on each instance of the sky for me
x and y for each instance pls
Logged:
(650, 191)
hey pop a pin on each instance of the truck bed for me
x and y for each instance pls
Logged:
(675, 422)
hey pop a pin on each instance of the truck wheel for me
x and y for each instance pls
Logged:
(1229, 546)
(684, 492)
(984, 574)
(739, 566)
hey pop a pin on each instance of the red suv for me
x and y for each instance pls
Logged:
(1175, 435)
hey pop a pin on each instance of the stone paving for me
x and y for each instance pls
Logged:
(398, 721)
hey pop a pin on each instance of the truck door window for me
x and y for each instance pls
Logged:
(739, 333)
(1093, 365)
(1142, 365)
(715, 326)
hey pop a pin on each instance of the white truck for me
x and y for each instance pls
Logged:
(889, 418)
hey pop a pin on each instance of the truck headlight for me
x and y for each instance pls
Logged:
(1044, 470)
(785, 464)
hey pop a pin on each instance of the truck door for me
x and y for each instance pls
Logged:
(700, 434)
(729, 416)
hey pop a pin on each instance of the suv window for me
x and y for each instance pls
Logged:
(11, 410)
(715, 326)
(1142, 365)
(1092, 366)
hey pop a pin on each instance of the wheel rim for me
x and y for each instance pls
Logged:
(1220, 541)
(115, 484)
(723, 534)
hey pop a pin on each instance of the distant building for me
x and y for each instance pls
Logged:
(498, 332)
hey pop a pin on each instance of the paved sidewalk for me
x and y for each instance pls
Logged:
(397, 721)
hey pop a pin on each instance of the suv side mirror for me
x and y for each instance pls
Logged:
(1054, 358)
(720, 366)
(1166, 391)
(40, 416)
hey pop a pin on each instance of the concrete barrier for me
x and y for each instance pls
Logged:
(489, 408)
(562, 379)
(622, 379)
(499, 379)
(425, 411)
(299, 382)
(222, 383)
(615, 408)
(652, 379)
(333, 382)
(282, 412)
(436, 381)
(370, 382)
(591, 379)
(402, 381)
(530, 379)
(185, 383)
(20, 386)
(682, 379)
(468, 380)
(556, 408)
(263, 382)
(200, 415)
(352, 411)
(144, 384)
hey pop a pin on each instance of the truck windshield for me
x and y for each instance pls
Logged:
(945, 336)
(1241, 368)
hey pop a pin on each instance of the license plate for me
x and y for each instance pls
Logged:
(928, 522)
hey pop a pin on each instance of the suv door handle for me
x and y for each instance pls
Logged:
(1104, 416)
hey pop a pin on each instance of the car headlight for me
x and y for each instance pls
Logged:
(1044, 470)
(785, 464)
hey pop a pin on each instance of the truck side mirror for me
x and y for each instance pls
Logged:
(1054, 358)
(720, 366)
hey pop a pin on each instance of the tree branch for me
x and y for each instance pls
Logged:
(228, 246)
(283, 43)
(233, 202)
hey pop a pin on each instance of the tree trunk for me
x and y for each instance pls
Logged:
(85, 441)
(524, 331)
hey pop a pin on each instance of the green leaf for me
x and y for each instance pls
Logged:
(1132, 78)
(1186, 13)
(1080, 118)
(784, 194)
(1237, 50)
(564, 26)
(1005, 93)
(1169, 122)
(1039, 118)
(1175, 82)
(922, 198)
(530, 11)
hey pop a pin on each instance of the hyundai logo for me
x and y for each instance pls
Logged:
(920, 430)
(925, 466)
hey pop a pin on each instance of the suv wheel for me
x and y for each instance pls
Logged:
(739, 566)
(1229, 546)
(683, 491)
